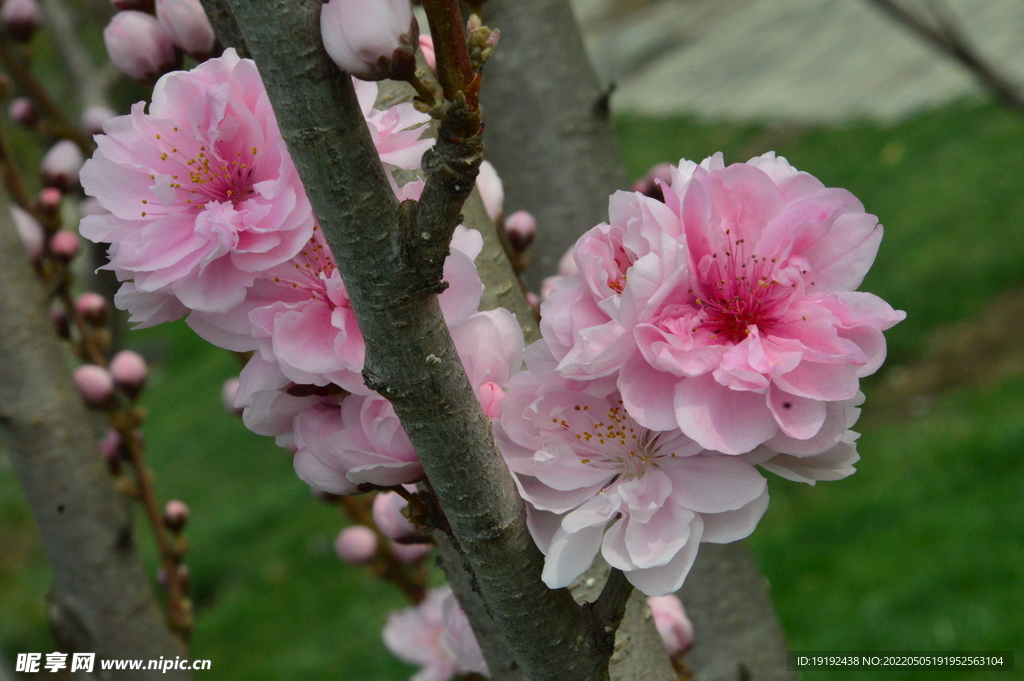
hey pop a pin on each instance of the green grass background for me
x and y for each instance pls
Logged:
(922, 549)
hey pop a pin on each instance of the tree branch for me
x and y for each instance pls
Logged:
(941, 30)
(410, 358)
(550, 138)
(101, 600)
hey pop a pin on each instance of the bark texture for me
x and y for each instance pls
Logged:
(410, 358)
(548, 130)
(736, 635)
(101, 600)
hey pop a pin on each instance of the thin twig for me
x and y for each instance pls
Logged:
(944, 33)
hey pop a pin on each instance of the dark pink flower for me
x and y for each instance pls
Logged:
(728, 311)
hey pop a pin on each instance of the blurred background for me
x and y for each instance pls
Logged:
(922, 549)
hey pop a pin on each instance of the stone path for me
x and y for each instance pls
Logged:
(792, 60)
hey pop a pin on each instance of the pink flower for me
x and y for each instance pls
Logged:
(202, 192)
(371, 40)
(597, 480)
(139, 46)
(396, 131)
(186, 23)
(298, 314)
(436, 636)
(728, 311)
(363, 443)
(61, 166)
(673, 625)
(356, 545)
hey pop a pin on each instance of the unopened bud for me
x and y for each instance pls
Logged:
(184, 577)
(427, 49)
(22, 110)
(59, 316)
(139, 46)
(673, 625)
(491, 395)
(387, 513)
(21, 18)
(521, 228)
(410, 553)
(65, 245)
(61, 164)
(491, 190)
(356, 545)
(372, 41)
(93, 308)
(186, 23)
(94, 117)
(48, 201)
(650, 184)
(228, 395)
(129, 371)
(110, 448)
(176, 515)
(94, 384)
(30, 231)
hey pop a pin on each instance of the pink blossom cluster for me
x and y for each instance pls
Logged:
(208, 218)
(436, 636)
(700, 336)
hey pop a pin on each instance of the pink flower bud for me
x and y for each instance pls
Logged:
(59, 316)
(48, 201)
(491, 190)
(139, 46)
(356, 545)
(371, 40)
(111, 447)
(673, 625)
(65, 245)
(22, 110)
(61, 165)
(427, 48)
(228, 395)
(648, 184)
(94, 384)
(129, 371)
(491, 395)
(521, 227)
(93, 308)
(30, 231)
(186, 23)
(176, 515)
(410, 553)
(21, 18)
(533, 300)
(184, 577)
(387, 513)
(94, 117)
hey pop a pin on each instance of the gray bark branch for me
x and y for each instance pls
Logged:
(936, 24)
(548, 129)
(410, 358)
(101, 600)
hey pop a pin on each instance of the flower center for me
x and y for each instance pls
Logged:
(614, 441)
(736, 293)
